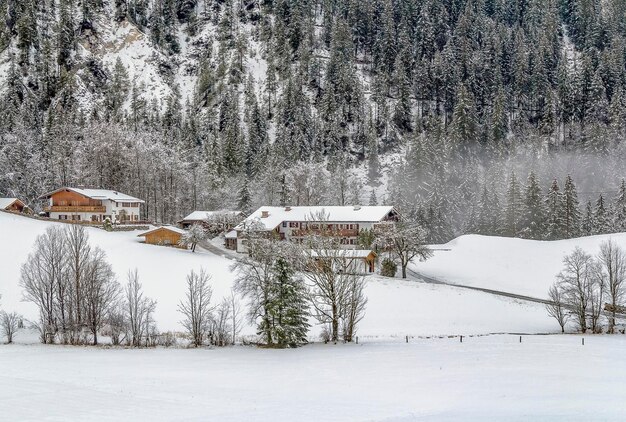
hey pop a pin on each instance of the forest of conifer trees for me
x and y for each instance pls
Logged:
(499, 117)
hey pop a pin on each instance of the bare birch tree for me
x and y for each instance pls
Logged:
(196, 307)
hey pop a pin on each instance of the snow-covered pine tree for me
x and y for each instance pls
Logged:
(555, 220)
(571, 211)
(288, 306)
(620, 208)
(534, 217)
(602, 222)
(514, 207)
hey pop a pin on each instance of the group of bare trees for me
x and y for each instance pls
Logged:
(286, 284)
(590, 289)
(205, 323)
(77, 293)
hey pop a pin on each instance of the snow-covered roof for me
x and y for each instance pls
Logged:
(7, 202)
(271, 217)
(231, 235)
(170, 228)
(342, 253)
(203, 215)
(97, 194)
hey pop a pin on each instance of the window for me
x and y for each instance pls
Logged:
(284, 224)
(62, 217)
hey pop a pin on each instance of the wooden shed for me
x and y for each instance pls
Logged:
(12, 204)
(165, 236)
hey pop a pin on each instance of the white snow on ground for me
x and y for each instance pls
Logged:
(162, 270)
(395, 307)
(495, 378)
(526, 267)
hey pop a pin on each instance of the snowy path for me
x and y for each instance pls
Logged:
(430, 280)
(494, 378)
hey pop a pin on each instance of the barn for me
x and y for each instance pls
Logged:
(165, 236)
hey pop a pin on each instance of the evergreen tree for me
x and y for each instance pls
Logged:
(571, 211)
(619, 222)
(514, 207)
(602, 222)
(534, 218)
(555, 217)
(288, 307)
(588, 224)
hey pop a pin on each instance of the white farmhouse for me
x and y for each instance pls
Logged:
(92, 205)
(295, 223)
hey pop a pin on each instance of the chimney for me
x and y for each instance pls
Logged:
(287, 208)
(265, 214)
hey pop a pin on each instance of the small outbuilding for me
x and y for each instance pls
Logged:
(356, 261)
(12, 204)
(164, 236)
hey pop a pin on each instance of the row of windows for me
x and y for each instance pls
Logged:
(318, 226)
(127, 204)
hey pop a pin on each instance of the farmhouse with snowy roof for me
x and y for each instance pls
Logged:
(295, 223)
(12, 204)
(94, 205)
(226, 219)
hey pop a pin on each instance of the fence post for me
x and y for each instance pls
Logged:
(520, 339)
(461, 339)
(583, 341)
(407, 339)
(357, 339)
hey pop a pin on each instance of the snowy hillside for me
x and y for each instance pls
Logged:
(395, 308)
(525, 267)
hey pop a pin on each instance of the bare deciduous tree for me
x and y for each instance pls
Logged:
(9, 324)
(139, 310)
(43, 279)
(101, 291)
(235, 315)
(576, 280)
(353, 309)
(404, 241)
(78, 251)
(193, 236)
(613, 260)
(254, 281)
(335, 291)
(196, 307)
(556, 309)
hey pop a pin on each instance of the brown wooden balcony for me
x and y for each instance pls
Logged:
(75, 208)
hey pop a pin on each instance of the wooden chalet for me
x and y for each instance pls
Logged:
(12, 204)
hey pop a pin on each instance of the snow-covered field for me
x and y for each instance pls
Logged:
(494, 378)
(395, 308)
(526, 267)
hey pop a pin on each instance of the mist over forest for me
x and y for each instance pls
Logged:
(442, 108)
